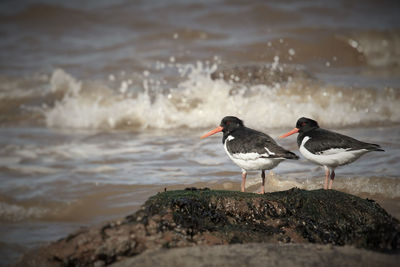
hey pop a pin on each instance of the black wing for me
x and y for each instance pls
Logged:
(323, 140)
(251, 141)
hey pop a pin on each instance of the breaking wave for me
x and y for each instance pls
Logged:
(200, 99)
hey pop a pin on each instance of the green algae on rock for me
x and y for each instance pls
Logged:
(206, 217)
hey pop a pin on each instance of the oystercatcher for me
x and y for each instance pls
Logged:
(250, 149)
(327, 148)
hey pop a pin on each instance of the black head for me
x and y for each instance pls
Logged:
(306, 124)
(303, 125)
(230, 124)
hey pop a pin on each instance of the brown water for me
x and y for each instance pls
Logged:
(102, 104)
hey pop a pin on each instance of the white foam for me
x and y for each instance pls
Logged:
(13, 212)
(198, 102)
(378, 52)
(32, 169)
(387, 187)
(74, 151)
(273, 182)
(61, 81)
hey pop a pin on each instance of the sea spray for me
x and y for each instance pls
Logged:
(200, 101)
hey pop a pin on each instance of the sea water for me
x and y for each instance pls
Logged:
(102, 103)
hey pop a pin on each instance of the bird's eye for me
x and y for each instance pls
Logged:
(303, 123)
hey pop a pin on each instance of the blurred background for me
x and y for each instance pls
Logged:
(102, 102)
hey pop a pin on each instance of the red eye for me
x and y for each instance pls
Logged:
(303, 123)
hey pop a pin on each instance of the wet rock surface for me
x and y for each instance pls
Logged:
(263, 254)
(194, 217)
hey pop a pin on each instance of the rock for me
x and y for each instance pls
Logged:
(262, 254)
(193, 217)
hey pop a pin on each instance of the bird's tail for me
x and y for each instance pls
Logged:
(374, 147)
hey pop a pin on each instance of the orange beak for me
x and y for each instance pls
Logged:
(295, 130)
(216, 130)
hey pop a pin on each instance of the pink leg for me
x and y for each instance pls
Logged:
(262, 182)
(244, 174)
(326, 177)
(332, 177)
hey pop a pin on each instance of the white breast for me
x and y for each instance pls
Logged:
(252, 161)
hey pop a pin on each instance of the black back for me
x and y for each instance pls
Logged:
(322, 140)
(247, 140)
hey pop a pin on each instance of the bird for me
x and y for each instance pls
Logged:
(327, 148)
(250, 149)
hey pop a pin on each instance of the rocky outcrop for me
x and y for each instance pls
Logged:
(205, 217)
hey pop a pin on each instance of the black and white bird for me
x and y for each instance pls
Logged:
(327, 148)
(249, 149)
